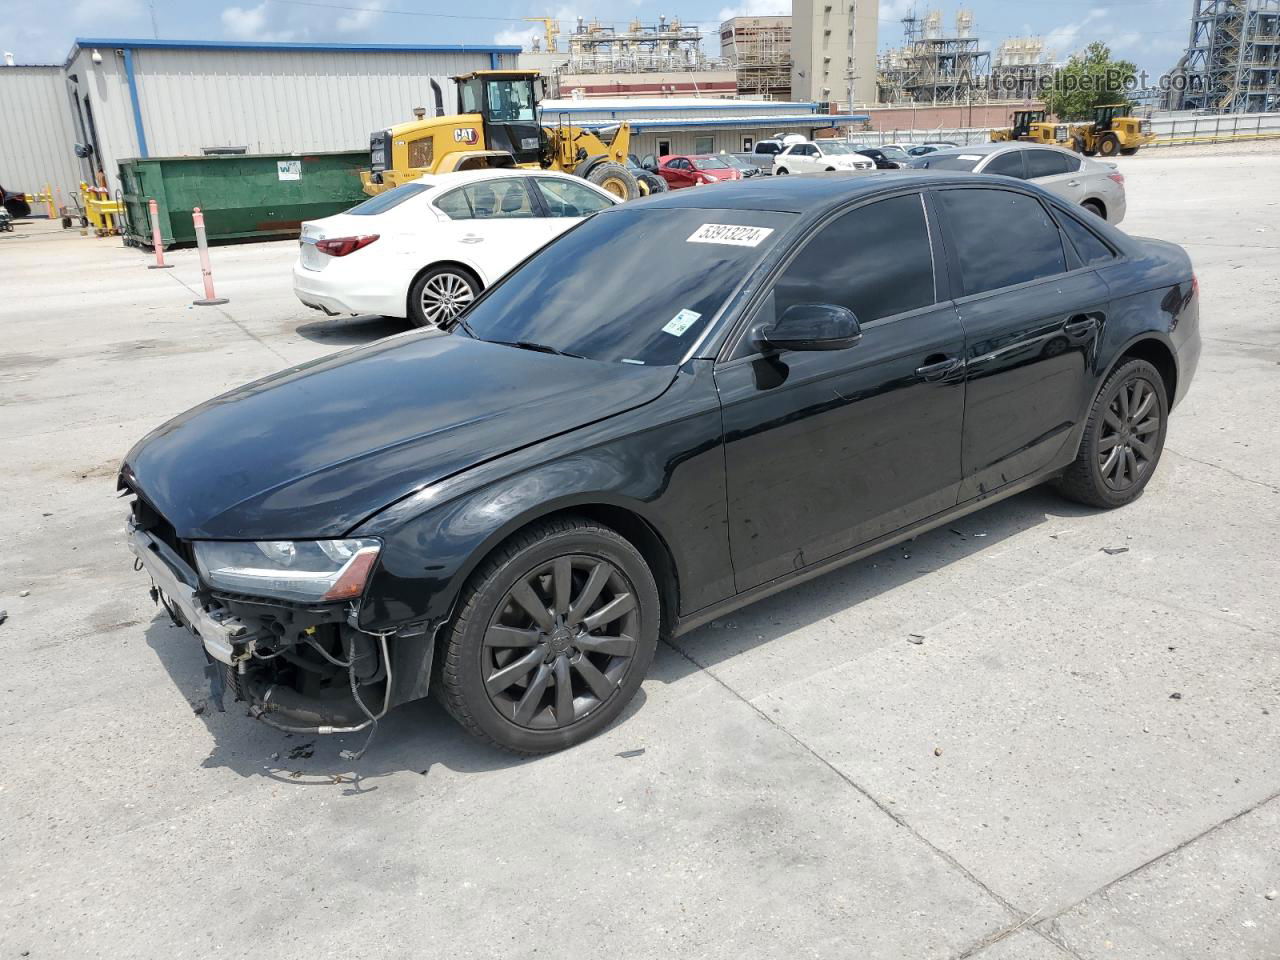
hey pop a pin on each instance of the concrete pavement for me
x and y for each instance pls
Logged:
(1023, 784)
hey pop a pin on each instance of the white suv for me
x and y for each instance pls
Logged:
(819, 157)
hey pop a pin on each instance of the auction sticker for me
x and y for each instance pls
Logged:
(727, 233)
(681, 322)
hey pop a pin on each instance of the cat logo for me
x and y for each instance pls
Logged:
(466, 135)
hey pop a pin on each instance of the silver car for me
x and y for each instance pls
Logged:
(1093, 184)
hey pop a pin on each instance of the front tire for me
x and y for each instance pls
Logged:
(555, 633)
(1123, 439)
(615, 178)
(441, 294)
(1109, 146)
(780, 172)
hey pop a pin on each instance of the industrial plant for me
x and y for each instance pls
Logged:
(1232, 63)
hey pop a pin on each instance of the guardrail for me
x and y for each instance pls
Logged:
(1169, 131)
(1223, 128)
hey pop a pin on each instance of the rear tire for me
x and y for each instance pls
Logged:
(1128, 151)
(1095, 208)
(650, 183)
(615, 178)
(1123, 439)
(554, 635)
(1109, 146)
(441, 294)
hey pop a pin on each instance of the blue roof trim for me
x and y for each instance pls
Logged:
(800, 120)
(132, 79)
(81, 43)
(730, 104)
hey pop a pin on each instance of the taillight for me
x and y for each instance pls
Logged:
(1117, 177)
(341, 246)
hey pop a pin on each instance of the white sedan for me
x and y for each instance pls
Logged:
(819, 156)
(426, 249)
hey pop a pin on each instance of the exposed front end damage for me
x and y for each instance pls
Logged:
(301, 667)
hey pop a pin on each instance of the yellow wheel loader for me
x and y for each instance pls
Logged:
(498, 127)
(1112, 131)
(1031, 126)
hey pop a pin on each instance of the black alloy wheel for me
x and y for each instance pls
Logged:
(560, 642)
(1126, 445)
(554, 635)
(1123, 438)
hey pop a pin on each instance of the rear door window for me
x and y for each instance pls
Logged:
(1008, 164)
(1045, 163)
(488, 200)
(1001, 238)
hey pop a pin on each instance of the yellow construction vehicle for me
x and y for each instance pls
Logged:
(499, 127)
(1112, 131)
(1031, 126)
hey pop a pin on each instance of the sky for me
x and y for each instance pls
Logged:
(1151, 33)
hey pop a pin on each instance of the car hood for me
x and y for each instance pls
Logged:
(313, 450)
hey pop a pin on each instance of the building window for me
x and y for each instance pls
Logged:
(704, 144)
(747, 144)
(664, 148)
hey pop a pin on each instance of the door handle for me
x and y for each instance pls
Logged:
(936, 371)
(1080, 326)
(471, 238)
(1073, 183)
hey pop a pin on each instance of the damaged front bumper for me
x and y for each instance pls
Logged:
(225, 638)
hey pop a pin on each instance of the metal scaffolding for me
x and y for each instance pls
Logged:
(759, 48)
(641, 48)
(932, 68)
(1232, 63)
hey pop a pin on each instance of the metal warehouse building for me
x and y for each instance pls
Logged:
(140, 98)
(689, 125)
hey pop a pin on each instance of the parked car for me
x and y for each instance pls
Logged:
(517, 511)
(744, 167)
(819, 156)
(887, 157)
(696, 170)
(1093, 184)
(425, 250)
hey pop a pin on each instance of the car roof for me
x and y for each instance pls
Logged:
(812, 193)
(983, 149)
(497, 173)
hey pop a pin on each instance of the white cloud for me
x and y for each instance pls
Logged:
(361, 19)
(86, 11)
(1065, 40)
(250, 23)
(521, 38)
(756, 8)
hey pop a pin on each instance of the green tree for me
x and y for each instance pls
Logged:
(1090, 79)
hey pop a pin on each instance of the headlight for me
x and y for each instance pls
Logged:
(304, 570)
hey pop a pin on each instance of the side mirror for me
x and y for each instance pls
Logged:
(811, 326)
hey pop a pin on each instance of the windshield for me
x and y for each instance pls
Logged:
(385, 201)
(835, 146)
(949, 161)
(710, 163)
(580, 295)
(895, 153)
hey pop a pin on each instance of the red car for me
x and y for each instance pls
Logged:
(696, 170)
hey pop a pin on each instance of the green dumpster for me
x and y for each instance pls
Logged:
(243, 197)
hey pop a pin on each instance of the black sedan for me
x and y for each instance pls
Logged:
(887, 157)
(517, 511)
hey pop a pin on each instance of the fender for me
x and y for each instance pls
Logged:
(660, 463)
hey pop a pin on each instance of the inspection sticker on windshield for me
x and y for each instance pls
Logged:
(727, 233)
(681, 322)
